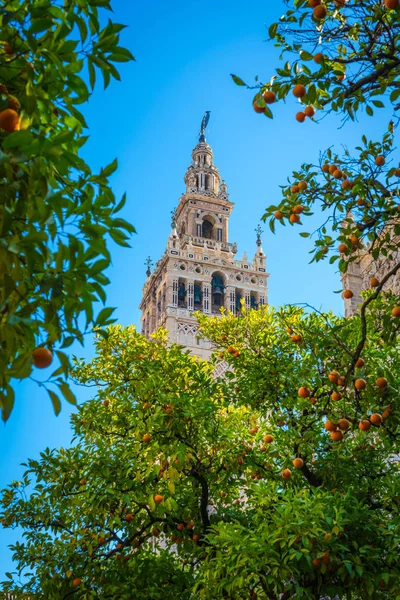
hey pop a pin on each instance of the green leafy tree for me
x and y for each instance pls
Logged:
(56, 215)
(342, 52)
(279, 480)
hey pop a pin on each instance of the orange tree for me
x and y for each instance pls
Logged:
(279, 480)
(55, 213)
(341, 56)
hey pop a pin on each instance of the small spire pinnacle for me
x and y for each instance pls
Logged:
(173, 218)
(148, 263)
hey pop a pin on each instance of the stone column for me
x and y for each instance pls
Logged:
(206, 289)
(190, 295)
(230, 298)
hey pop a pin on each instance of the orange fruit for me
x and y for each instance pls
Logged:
(396, 311)
(364, 425)
(303, 185)
(82, 482)
(196, 538)
(337, 174)
(381, 382)
(146, 438)
(294, 218)
(318, 58)
(180, 527)
(374, 282)
(77, 581)
(295, 189)
(376, 419)
(347, 184)
(304, 392)
(258, 109)
(333, 376)
(298, 463)
(330, 426)
(289, 330)
(313, 400)
(343, 424)
(336, 396)
(319, 12)
(9, 120)
(347, 294)
(221, 354)
(299, 91)
(158, 498)
(278, 214)
(287, 473)
(297, 339)
(236, 354)
(269, 97)
(7, 48)
(385, 414)
(300, 117)
(42, 358)
(129, 517)
(380, 160)
(341, 381)
(14, 103)
(314, 3)
(298, 209)
(325, 168)
(360, 384)
(106, 402)
(342, 248)
(336, 436)
(316, 563)
(327, 537)
(326, 558)
(360, 363)
(309, 111)
(231, 350)
(396, 173)
(268, 439)
(332, 169)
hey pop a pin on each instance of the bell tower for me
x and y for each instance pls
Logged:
(198, 271)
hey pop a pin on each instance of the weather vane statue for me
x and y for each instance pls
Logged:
(148, 263)
(259, 233)
(203, 126)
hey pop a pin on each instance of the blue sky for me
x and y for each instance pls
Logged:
(185, 51)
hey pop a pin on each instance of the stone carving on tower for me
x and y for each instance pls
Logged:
(198, 271)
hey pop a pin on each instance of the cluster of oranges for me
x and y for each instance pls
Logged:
(296, 210)
(230, 350)
(9, 117)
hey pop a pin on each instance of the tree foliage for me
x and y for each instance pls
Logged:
(56, 215)
(173, 489)
(347, 60)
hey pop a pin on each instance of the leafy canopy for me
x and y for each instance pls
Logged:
(56, 215)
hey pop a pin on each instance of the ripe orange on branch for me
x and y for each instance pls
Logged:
(309, 111)
(42, 358)
(318, 58)
(268, 439)
(343, 424)
(278, 215)
(320, 12)
(336, 436)
(347, 294)
(269, 97)
(158, 498)
(9, 120)
(376, 419)
(396, 311)
(381, 382)
(360, 363)
(374, 282)
(304, 392)
(364, 425)
(360, 384)
(147, 438)
(298, 463)
(380, 160)
(299, 91)
(300, 117)
(294, 218)
(287, 473)
(330, 426)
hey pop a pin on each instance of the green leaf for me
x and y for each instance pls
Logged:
(67, 393)
(55, 401)
(237, 80)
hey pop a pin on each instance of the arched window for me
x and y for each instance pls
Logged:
(207, 229)
(217, 292)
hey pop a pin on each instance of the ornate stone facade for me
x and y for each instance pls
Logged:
(358, 276)
(198, 271)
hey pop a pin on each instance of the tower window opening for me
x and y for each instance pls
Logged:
(207, 229)
(198, 295)
(182, 301)
(217, 287)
